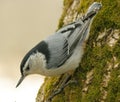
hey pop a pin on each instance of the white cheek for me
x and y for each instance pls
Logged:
(36, 62)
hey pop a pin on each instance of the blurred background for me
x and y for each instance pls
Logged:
(23, 23)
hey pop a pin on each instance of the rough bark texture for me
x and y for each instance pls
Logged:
(98, 75)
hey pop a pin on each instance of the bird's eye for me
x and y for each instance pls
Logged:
(27, 68)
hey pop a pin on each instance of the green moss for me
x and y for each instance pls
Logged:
(50, 83)
(93, 96)
(108, 17)
(114, 87)
(59, 98)
(95, 57)
(83, 6)
(61, 20)
(67, 4)
(73, 90)
(116, 50)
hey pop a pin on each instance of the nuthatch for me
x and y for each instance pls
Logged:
(62, 51)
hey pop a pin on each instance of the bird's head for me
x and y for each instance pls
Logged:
(25, 69)
(92, 10)
(29, 65)
(34, 61)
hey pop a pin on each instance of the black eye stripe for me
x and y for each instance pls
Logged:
(28, 68)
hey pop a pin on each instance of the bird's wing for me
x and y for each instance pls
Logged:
(62, 44)
(58, 48)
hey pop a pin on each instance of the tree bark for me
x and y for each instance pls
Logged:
(98, 76)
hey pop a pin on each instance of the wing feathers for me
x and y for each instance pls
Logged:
(62, 44)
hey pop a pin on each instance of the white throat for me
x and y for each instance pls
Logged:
(37, 62)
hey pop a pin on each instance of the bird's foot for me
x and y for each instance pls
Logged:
(64, 83)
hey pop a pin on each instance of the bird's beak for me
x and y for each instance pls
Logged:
(20, 80)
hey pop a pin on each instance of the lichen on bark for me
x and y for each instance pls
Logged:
(98, 75)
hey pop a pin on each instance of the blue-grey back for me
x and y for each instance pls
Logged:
(62, 44)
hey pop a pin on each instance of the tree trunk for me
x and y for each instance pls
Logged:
(98, 76)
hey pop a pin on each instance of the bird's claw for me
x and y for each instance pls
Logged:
(65, 83)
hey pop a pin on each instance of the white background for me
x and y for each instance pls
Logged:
(23, 23)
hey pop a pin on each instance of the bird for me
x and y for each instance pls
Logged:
(61, 52)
